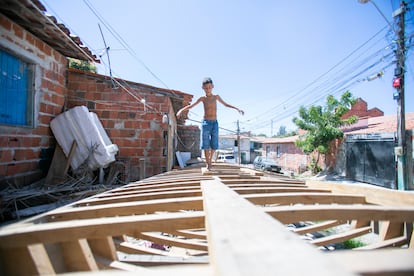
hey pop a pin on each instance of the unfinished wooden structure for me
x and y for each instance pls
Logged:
(230, 221)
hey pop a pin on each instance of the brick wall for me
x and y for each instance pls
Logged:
(137, 130)
(360, 109)
(189, 140)
(25, 152)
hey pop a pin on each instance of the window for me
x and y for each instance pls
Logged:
(16, 91)
(278, 151)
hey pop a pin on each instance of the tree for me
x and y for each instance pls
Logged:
(322, 125)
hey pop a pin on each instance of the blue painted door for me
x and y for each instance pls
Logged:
(13, 90)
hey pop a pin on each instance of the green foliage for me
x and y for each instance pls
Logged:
(350, 244)
(322, 124)
(82, 65)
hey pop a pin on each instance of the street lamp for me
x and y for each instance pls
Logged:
(398, 83)
(378, 9)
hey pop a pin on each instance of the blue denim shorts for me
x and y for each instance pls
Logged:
(210, 134)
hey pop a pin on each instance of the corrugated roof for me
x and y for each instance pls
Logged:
(31, 15)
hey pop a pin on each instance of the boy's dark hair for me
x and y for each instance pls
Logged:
(207, 80)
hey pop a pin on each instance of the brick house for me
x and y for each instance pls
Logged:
(37, 86)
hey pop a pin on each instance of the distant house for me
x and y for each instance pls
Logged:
(358, 156)
(229, 143)
(37, 86)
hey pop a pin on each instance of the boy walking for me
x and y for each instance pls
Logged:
(209, 124)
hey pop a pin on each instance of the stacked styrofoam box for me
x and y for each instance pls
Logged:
(80, 125)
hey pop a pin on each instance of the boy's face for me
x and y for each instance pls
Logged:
(208, 88)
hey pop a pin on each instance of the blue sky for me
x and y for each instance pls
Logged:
(268, 57)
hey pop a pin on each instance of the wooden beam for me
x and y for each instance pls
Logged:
(398, 241)
(98, 228)
(254, 190)
(171, 241)
(78, 256)
(343, 236)
(291, 214)
(304, 198)
(391, 230)
(243, 240)
(373, 194)
(126, 208)
(317, 227)
(128, 198)
(30, 260)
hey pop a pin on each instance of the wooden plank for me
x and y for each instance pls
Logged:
(291, 214)
(60, 165)
(243, 240)
(78, 256)
(254, 190)
(304, 198)
(317, 227)
(152, 260)
(191, 234)
(103, 247)
(128, 198)
(398, 241)
(171, 241)
(130, 248)
(376, 262)
(126, 208)
(98, 228)
(373, 194)
(30, 260)
(391, 230)
(147, 191)
(343, 236)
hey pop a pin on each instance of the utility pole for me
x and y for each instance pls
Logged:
(399, 84)
(238, 143)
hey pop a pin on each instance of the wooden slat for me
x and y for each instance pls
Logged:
(152, 260)
(30, 260)
(398, 241)
(98, 228)
(165, 240)
(373, 194)
(126, 208)
(291, 214)
(78, 256)
(243, 240)
(148, 191)
(130, 248)
(191, 234)
(304, 198)
(343, 236)
(317, 227)
(254, 190)
(391, 230)
(103, 247)
(129, 198)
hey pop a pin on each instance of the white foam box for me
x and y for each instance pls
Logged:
(80, 125)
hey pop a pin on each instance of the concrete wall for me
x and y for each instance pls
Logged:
(25, 152)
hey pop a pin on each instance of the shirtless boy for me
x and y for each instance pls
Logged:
(209, 124)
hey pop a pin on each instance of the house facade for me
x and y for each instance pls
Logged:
(34, 73)
(139, 119)
(37, 86)
(229, 143)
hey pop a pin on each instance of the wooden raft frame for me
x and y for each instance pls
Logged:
(229, 221)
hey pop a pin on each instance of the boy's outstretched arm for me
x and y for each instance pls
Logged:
(179, 112)
(229, 105)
